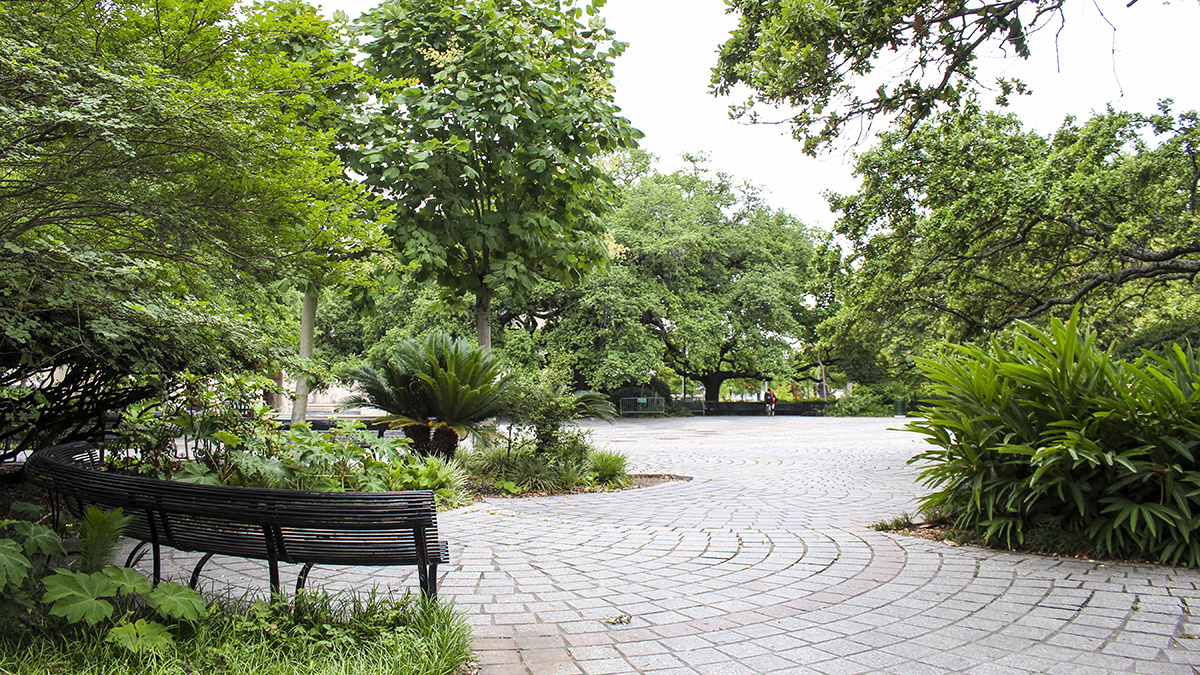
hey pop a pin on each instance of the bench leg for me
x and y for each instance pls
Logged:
(274, 567)
(303, 577)
(196, 571)
(136, 554)
(157, 563)
(429, 587)
(271, 535)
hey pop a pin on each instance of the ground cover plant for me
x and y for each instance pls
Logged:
(318, 636)
(1046, 431)
(46, 592)
(79, 613)
(572, 466)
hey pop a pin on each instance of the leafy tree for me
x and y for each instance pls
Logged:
(593, 331)
(486, 137)
(153, 181)
(977, 223)
(707, 279)
(811, 55)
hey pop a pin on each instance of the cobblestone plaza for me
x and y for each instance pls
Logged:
(764, 562)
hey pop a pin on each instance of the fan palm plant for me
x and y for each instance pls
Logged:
(438, 390)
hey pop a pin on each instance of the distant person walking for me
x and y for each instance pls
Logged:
(770, 398)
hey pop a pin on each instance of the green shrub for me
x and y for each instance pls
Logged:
(569, 464)
(540, 406)
(45, 591)
(655, 387)
(870, 400)
(609, 467)
(1056, 433)
(348, 458)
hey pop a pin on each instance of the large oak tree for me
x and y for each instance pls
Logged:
(708, 280)
(837, 64)
(978, 222)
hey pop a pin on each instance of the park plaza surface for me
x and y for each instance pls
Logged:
(765, 563)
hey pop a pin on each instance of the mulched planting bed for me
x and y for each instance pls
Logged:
(14, 488)
(486, 489)
(954, 537)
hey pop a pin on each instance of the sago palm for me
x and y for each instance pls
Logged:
(396, 390)
(440, 387)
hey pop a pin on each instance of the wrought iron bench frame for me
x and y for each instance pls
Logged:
(290, 526)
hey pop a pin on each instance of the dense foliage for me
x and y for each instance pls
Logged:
(975, 222)
(708, 282)
(486, 134)
(1047, 429)
(156, 182)
(43, 591)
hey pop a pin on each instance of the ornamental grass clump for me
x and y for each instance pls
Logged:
(1056, 432)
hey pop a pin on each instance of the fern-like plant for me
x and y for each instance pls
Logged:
(99, 538)
(439, 389)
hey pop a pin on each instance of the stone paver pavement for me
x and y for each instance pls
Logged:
(764, 563)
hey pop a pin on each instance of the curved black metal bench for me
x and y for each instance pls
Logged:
(292, 526)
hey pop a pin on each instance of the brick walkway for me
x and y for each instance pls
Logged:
(764, 563)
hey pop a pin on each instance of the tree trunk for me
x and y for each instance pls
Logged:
(308, 323)
(273, 399)
(712, 386)
(419, 435)
(483, 316)
(444, 443)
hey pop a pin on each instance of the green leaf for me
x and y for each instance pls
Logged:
(176, 601)
(79, 597)
(127, 580)
(141, 637)
(227, 438)
(14, 565)
(27, 510)
(195, 472)
(39, 538)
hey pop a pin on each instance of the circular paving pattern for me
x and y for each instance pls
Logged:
(764, 563)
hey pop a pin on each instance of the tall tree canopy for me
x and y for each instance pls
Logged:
(819, 58)
(152, 172)
(487, 140)
(976, 221)
(709, 280)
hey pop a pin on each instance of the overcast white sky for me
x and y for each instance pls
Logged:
(662, 85)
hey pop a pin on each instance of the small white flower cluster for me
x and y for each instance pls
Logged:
(453, 53)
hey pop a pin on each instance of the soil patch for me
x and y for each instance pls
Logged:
(952, 536)
(14, 488)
